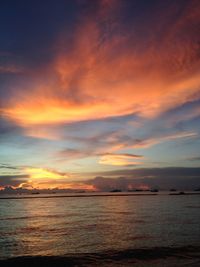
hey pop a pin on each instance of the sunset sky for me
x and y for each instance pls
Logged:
(99, 88)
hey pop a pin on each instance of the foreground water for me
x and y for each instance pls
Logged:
(61, 226)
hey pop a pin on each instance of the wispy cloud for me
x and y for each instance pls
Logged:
(157, 140)
(195, 158)
(8, 166)
(10, 69)
(108, 146)
(120, 159)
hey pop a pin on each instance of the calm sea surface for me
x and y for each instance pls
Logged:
(58, 226)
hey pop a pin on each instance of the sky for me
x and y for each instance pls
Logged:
(99, 94)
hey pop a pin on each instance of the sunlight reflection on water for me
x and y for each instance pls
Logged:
(57, 226)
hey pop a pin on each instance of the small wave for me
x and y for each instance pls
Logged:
(193, 207)
(133, 238)
(34, 217)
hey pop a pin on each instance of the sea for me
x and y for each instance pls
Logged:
(97, 223)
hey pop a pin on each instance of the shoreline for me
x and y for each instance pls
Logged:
(78, 195)
(98, 195)
(174, 256)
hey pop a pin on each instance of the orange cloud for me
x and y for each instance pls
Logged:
(111, 74)
(41, 184)
(41, 173)
(119, 159)
(41, 178)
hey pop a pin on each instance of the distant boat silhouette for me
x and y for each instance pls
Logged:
(154, 190)
(116, 190)
(136, 190)
(198, 189)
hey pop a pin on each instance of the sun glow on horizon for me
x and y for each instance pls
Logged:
(40, 178)
(40, 173)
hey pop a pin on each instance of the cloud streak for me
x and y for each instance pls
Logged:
(120, 159)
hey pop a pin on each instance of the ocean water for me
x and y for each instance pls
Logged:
(60, 226)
